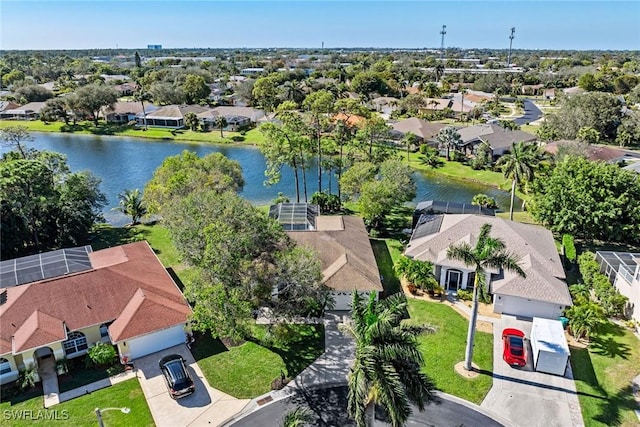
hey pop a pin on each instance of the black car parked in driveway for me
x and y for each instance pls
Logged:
(176, 376)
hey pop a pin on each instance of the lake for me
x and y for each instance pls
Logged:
(128, 163)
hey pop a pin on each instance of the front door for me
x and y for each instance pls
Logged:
(453, 280)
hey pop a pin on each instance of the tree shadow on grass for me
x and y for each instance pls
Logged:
(611, 408)
(609, 347)
(105, 236)
(12, 394)
(206, 346)
(390, 281)
(304, 346)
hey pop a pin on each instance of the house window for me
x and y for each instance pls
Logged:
(104, 330)
(5, 366)
(76, 343)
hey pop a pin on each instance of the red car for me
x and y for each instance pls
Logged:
(514, 352)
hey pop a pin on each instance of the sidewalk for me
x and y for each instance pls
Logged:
(55, 398)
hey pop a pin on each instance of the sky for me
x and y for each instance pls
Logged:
(542, 24)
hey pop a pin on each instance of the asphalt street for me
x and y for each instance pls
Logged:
(329, 408)
(531, 113)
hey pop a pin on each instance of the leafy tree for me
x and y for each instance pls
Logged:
(367, 83)
(373, 133)
(195, 89)
(92, 98)
(43, 205)
(328, 203)
(448, 138)
(482, 158)
(355, 177)
(519, 165)
(181, 174)
(489, 253)
(33, 93)
(388, 362)
(265, 92)
(601, 111)
(138, 60)
(319, 105)
(593, 200)
(15, 137)
(102, 354)
(191, 121)
(164, 93)
(391, 187)
(12, 77)
(221, 123)
(484, 201)
(131, 204)
(629, 130)
(285, 144)
(589, 135)
(55, 109)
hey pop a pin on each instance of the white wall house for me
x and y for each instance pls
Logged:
(543, 293)
(623, 271)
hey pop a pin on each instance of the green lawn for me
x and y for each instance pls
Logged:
(81, 411)
(253, 136)
(247, 370)
(79, 376)
(106, 236)
(446, 347)
(603, 374)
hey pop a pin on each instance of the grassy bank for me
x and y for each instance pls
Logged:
(252, 136)
(603, 373)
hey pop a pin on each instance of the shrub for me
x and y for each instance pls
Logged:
(423, 148)
(237, 138)
(569, 248)
(328, 203)
(102, 354)
(62, 366)
(413, 289)
(484, 201)
(27, 378)
(280, 198)
(465, 295)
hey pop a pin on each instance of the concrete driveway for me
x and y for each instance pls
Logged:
(205, 407)
(526, 397)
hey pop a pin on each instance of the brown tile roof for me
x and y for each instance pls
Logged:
(347, 259)
(592, 152)
(37, 329)
(97, 296)
(420, 128)
(351, 120)
(146, 305)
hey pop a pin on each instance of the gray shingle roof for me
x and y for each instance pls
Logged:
(494, 135)
(532, 244)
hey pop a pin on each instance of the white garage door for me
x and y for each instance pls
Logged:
(526, 308)
(343, 300)
(156, 341)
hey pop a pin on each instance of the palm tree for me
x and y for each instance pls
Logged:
(519, 165)
(449, 138)
(463, 91)
(489, 253)
(298, 417)
(131, 204)
(221, 122)
(387, 363)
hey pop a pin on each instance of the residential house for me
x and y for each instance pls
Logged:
(232, 112)
(623, 271)
(432, 105)
(59, 304)
(549, 94)
(8, 105)
(126, 89)
(169, 116)
(342, 244)
(431, 207)
(30, 111)
(595, 153)
(543, 293)
(531, 89)
(575, 90)
(126, 111)
(384, 104)
(425, 131)
(495, 136)
(351, 120)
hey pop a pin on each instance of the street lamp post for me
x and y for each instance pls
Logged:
(100, 411)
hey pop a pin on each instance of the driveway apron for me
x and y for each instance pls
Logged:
(526, 397)
(205, 407)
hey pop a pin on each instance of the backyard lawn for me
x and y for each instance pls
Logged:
(603, 374)
(247, 370)
(80, 412)
(252, 136)
(443, 349)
